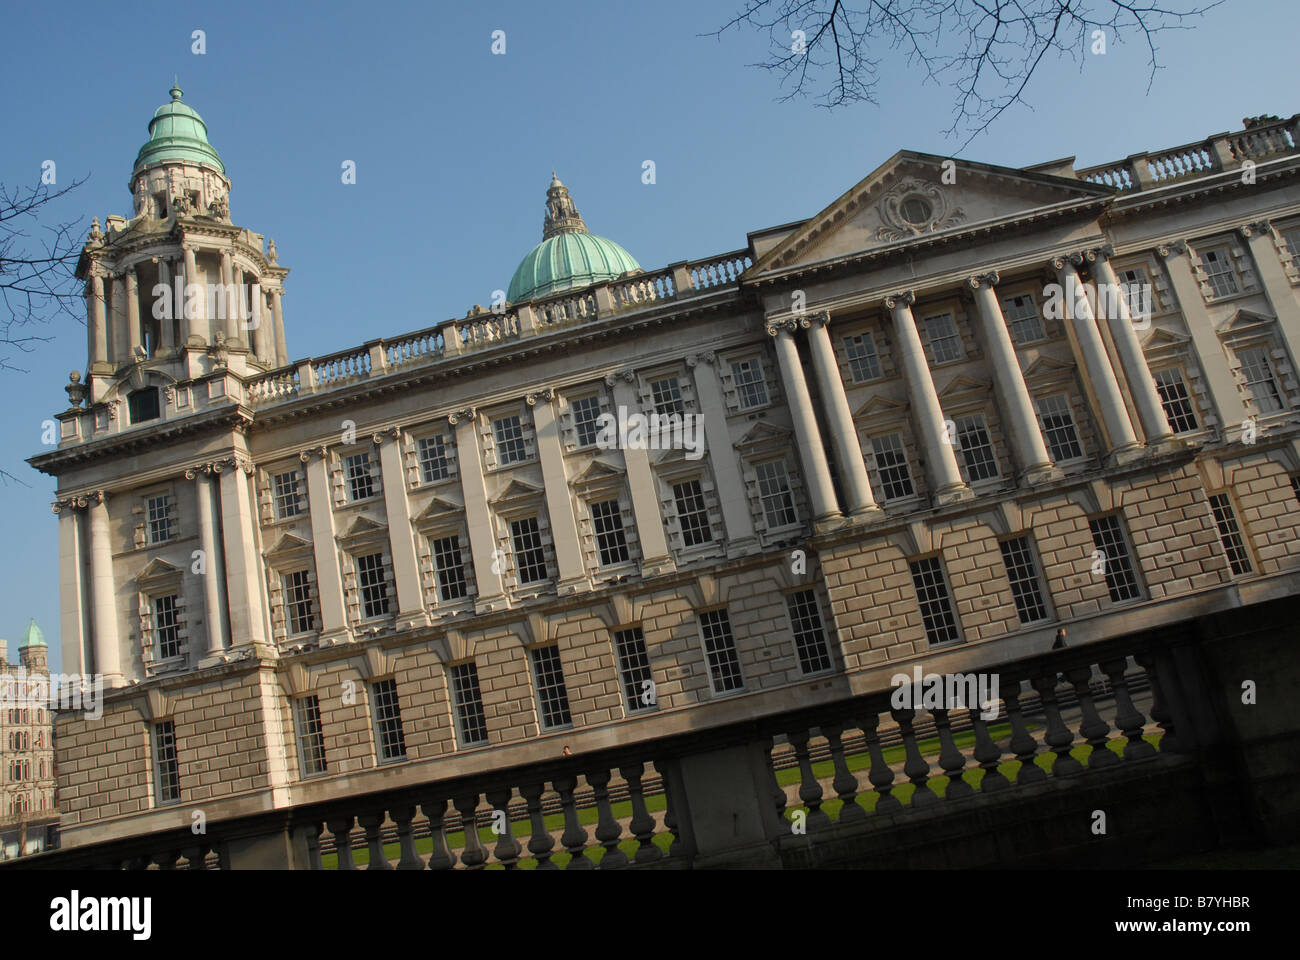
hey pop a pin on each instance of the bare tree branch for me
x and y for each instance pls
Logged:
(988, 51)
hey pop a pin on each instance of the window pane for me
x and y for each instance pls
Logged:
(1230, 534)
(297, 602)
(667, 395)
(449, 568)
(1219, 272)
(360, 482)
(936, 607)
(585, 412)
(166, 766)
(1108, 539)
(285, 494)
(976, 448)
(891, 467)
(166, 623)
(509, 433)
(864, 363)
(1023, 320)
(1258, 373)
(634, 667)
(944, 343)
(552, 696)
(433, 459)
(1176, 400)
(388, 720)
(160, 518)
(311, 736)
(469, 703)
(809, 635)
(774, 492)
(530, 559)
(1025, 588)
(611, 542)
(751, 388)
(720, 649)
(692, 515)
(1058, 428)
(373, 587)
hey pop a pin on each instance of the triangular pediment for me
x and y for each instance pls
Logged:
(157, 569)
(881, 406)
(362, 527)
(517, 489)
(1244, 320)
(439, 507)
(289, 543)
(598, 472)
(913, 196)
(764, 435)
(962, 386)
(1048, 368)
(1160, 341)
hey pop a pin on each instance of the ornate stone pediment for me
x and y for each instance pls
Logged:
(599, 473)
(765, 438)
(515, 491)
(881, 408)
(289, 545)
(158, 571)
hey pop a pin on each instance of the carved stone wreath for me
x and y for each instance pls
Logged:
(897, 227)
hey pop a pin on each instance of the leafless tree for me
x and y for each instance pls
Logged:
(987, 50)
(37, 267)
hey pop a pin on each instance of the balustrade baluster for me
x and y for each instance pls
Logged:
(1128, 718)
(845, 783)
(916, 767)
(166, 860)
(608, 831)
(810, 791)
(574, 837)
(1058, 737)
(409, 860)
(541, 842)
(880, 775)
(508, 848)
(1159, 704)
(371, 823)
(1092, 727)
(678, 847)
(313, 846)
(642, 825)
(987, 754)
(197, 856)
(473, 856)
(951, 759)
(341, 828)
(1023, 744)
(442, 858)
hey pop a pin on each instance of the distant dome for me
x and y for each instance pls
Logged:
(33, 636)
(569, 257)
(177, 134)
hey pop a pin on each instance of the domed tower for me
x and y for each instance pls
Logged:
(569, 257)
(32, 652)
(177, 291)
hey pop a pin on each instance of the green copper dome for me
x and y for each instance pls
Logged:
(569, 257)
(33, 637)
(177, 134)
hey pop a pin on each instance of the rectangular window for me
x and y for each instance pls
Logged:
(586, 410)
(1230, 534)
(751, 387)
(449, 568)
(720, 650)
(774, 493)
(160, 518)
(945, 345)
(1109, 540)
(1258, 374)
(288, 501)
(1026, 588)
(388, 720)
(634, 667)
(978, 458)
(166, 625)
(297, 602)
(433, 459)
(611, 542)
(530, 558)
(936, 606)
(692, 515)
(469, 703)
(373, 586)
(360, 482)
(1023, 319)
(1176, 400)
(667, 396)
(311, 735)
(1058, 428)
(891, 466)
(1137, 293)
(551, 693)
(167, 770)
(864, 363)
(809, 634)
(509, 434)
(1219, 271)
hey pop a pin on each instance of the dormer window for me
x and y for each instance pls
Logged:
(143, 405)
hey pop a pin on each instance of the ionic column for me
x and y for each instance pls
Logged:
(478, 517)
(559, 505)
(940, 458)
(1142, 387)
(98, 326)
(194, 322)
(264, 342)
(77, 658)
(816, 471)
(134, 340)
(1278, 289)
(722, 455)
(166, 338)
(655, 558)
(406, 565)
(1026, 437)
(1229, 410)
(329, 578)
(1092, 351)
(214, 601)
(117, 343)
(277, 316)
(108, 655)
(230, 322)
(848, 451)
(247, 608)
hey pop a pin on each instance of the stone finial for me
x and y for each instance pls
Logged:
(76, 389)
(96, 236)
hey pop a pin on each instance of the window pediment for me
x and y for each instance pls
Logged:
(881, 407)
(290, 547)
(159, 573)
(362, 532)
(600, 475)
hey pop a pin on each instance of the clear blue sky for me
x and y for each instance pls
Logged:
(454, 148)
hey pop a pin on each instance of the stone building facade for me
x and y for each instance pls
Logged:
(28, 807)
(964, 405)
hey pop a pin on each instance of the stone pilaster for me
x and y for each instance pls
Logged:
(559, 504)
(401, 538)
(214, 592)
(329, 577)
(655, 558)
(844, 434)
(1026, 437)
(194, 323)
(230, 320)
(108, 652)
(722, 455)
(134, 341)
(166, 338)
(244, 590)
(77, 656)
(98, 325)
(277, 317)
(817, 474)
(478, 516)
(927, 414)
(1281, 295)
(119, 351)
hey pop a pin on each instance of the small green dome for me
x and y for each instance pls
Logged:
(569, 257)
(177, 134)
(33, 637)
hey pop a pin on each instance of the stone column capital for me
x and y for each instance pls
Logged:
(70, 504)
(386, 433)
(1068, 261)
(627, 376)
(98, 271)
(318, 453)
(785, 325)
(708, 356)
(1172, 249)
(822, 318)
(1103, 252)
(537, 396)
(464, 415)
(1257, 228)
(989, 280)
(904, 298)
